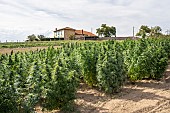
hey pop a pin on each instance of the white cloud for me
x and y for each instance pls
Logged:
(21, 18)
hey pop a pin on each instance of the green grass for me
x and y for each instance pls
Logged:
(40, 43)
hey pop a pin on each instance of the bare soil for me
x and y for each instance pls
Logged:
(143, 97)
(146, 96)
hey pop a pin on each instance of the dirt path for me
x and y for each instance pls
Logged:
(143, 97)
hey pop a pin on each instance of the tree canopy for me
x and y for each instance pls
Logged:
(32, 37)
(106, 31)
(156, 31)
(41, 37)
(145, 31)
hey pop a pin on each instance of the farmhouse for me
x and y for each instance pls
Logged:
(67, 32)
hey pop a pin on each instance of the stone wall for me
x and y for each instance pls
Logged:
(68, 33)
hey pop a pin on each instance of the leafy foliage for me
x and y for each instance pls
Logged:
(34, 78)
(146, 32)
(49, 77)
(145, 59)
(110, 69)
(41, 37)
(32, 37)
(88, 60)
(106, 31)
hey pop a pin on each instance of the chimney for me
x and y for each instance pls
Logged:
(56, 29)
(82, 32)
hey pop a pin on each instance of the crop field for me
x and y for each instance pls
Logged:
(27, 49)
(38, 43)
(130, 76)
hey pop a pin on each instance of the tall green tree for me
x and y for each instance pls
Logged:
(156, 31)
(41, 37)
(32, 37)
(144, 31)
(106, 31)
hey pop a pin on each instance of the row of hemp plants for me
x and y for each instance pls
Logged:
(42, 77)
(50, 77)
(146, 58)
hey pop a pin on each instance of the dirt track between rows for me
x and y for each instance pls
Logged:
(146, 96)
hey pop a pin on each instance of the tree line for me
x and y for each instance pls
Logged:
(144, 31)
(33, 37)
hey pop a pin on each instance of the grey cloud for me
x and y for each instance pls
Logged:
(84, 14)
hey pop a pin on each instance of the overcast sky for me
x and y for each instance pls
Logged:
(20, 18)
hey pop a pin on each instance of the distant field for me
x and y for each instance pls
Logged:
(15, 50)
(38, 43)
(32, 46)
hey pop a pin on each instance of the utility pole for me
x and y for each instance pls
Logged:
(133, 32)
(91, 30)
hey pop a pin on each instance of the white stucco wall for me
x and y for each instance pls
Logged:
(59, 34)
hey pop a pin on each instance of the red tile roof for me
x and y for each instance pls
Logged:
(82, 32)
(66, 28)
